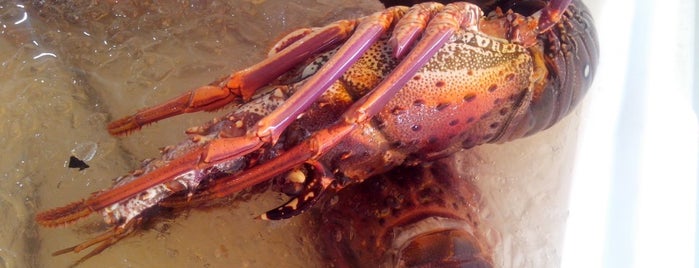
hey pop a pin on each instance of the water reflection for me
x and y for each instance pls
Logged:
(24, 16)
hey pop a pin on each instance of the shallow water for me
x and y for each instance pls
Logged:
(67, 71)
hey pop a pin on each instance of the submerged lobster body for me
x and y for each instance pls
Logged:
(481, 80)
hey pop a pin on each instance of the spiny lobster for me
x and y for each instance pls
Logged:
(385, 94)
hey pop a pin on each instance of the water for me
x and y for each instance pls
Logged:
(525, 187)
(66, 72)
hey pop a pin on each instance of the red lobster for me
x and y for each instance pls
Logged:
(336, 105)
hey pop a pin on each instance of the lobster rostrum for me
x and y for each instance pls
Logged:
(336, 105)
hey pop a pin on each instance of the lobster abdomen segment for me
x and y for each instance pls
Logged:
(569, 53)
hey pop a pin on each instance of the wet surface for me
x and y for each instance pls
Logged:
(67, 71)
(524, 185)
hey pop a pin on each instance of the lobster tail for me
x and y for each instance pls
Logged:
(569, 54)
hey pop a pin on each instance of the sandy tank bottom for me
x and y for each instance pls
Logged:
(67, 70)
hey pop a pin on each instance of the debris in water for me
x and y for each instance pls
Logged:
(75, 162)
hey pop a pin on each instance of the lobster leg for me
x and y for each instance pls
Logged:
(270, 128)
(105, 240)
(267, 130)
(409, 28)
(315, 187)
(438, 31)
(243, 84)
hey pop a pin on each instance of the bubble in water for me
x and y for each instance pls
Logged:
(85, 151)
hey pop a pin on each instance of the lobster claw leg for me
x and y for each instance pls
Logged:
(242, 85)
(270, 128)
(314, 187)
(206, 98)
(105, 240)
